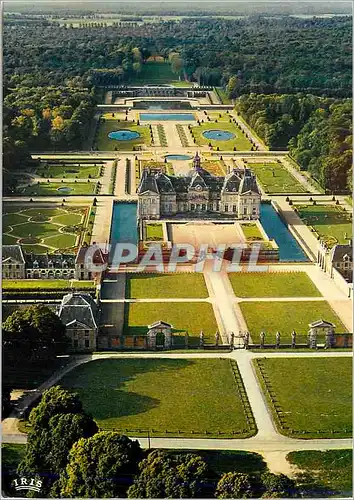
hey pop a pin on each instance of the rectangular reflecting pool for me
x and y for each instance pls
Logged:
(123, 225)
(183, 117)
(289, 248)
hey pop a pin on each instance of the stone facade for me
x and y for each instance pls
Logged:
(13, 262)
(199, 193)
(340, 257)
(79, 313)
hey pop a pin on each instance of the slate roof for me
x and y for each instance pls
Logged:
(78, 308)
(147, 183)
(248, 183)
(342, 252)
(50, 261)
(159, 323)
(321, 323)
(12, 252)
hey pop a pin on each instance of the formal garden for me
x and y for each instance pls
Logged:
(222, 136)
(65, 169)
(47, 229)
(113, 122)
(185, 317)
(67, 188)
(275, 178)
(139, 395)
(332, 223)
(156, 286)
(309, 398)
(273, 284)
(285, 317)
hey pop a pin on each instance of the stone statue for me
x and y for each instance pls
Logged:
(262, 337)
(217, 338)
(277, 340)
(201, 339)
(186, 340)
(232, 340)
(246, 340)
(313, 339)
(293, 339)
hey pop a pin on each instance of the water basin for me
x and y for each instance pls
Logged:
(177, 117)
(178, 157)
(123, 135)
(123, 226)
(289, 248)
(65, 190)
(218, 135)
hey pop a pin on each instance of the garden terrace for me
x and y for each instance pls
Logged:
(275, 178)
(309, 398)
(155, 286)
(331, 222)
(110, 124)
(134, 396)
(273, 316)
(185, 317)
(154, 232)
(273, 284)
(61, 189)
(240, 141)
(62, 170)
(44, 229)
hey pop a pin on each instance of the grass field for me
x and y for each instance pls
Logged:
(69, 170)
(331, 222)
(168, 397)
(104, 143)
(52, 189)
(313, 397)
(155, 72)
(239, 141)
(215, 167)
(184, 316)
(330, 471)
(274, 178)
(43, 229)
(177, 285)
(28, 284)
(296, 284)
(251, 232)
(285, 317)
(154, 232)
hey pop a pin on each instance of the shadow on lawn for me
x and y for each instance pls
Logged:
(100, 383)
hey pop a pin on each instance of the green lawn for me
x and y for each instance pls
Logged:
(294, 284)
(42, 229)
(178, 285)
(184, 316)
(330, 471)
(285, 317)
(275, 178)
(331, 222)
(45, 284)
(168, 397)
(313, 397)
(51, 189)
(155, 72)
(251, 232)
(215, 167)
(104, 143)
(240, 141)
(70, 171)
(154, 232)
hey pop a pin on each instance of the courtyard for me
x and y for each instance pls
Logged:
(309, 398)
(176, 398)
(47, 229)
(198, 233)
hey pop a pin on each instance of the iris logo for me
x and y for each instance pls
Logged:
(25, 483)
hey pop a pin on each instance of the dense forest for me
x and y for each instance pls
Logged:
(265, 55)
(317, 131)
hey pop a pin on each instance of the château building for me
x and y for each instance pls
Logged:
(198, 193)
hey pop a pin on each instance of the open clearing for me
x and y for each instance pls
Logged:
(167, 397)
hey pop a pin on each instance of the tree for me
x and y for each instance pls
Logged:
(235, 485)
(100, 466)
(170, 476)
(278, 486)
(57, 422)
(6, 400)
(233, 87)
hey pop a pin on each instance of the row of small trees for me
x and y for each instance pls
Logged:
(72, 458)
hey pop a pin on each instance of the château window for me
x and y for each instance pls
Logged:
(203, 207)
(192, 206)
(87, 343)
(234, 208)
(226, 208)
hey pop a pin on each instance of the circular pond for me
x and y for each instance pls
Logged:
(65, 189)
(124, 135)
(178, 157)
(218, 135)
